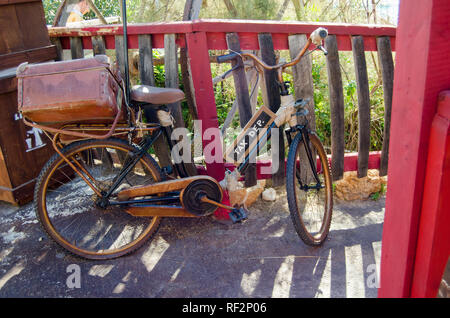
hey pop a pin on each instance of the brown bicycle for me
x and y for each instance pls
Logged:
(102, 198)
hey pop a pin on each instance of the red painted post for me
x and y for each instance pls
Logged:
(422, 71)
(204, 96)
(433, 244)
(206, 104)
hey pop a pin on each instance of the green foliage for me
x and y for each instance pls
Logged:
(375, 196)
(350, 11)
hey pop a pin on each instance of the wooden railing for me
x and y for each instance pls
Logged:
(196, 38)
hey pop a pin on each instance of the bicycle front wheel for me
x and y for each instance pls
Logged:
(309, 190)
(67, 208)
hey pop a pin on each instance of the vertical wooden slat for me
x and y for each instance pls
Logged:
(98, 45)
(387, 72)
(243, 101)
(120, 57)
(171, 73)
(191, 12)
(146, 73)
(336, 96)
(59, 50)
(362, 87)
(302, 74)
(172, 81)
(147, 77)
(273, 95)
(76, 48)
(303, 88)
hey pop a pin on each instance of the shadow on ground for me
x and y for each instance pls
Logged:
(188, 258)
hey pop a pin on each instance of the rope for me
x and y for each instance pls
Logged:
(165, 118)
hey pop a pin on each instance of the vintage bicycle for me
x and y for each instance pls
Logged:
(102, 195)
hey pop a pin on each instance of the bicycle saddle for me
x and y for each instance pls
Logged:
(156, 95)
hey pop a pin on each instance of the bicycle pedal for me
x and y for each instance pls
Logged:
(238, 215)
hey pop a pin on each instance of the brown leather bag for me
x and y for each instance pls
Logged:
(76, 91)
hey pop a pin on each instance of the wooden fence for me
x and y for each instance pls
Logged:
(195, 39)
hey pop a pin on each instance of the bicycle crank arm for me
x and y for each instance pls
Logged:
(236, 215)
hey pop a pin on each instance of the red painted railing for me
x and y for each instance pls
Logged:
(200, 36)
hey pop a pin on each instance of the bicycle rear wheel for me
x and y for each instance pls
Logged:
(310, 200)
(66, 205)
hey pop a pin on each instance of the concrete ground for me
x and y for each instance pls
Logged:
(190, 258)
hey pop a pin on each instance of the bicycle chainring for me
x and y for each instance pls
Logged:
(191, 195)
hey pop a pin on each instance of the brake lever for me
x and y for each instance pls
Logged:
(302, 102)
(224, 75)
(320, 47)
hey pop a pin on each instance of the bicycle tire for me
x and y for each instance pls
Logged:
(302, 202)
(58, 187)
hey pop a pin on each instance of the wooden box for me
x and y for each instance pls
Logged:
(23, 150)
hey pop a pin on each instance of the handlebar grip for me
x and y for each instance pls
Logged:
(318, 35)
(323, 33)
(226, 57)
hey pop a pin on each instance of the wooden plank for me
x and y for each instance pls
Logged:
(6, 2)
(172, 81)
(433, 243)
(387, 72)
(191, 12)
(362, 87)
(146, 73)
(120, 57)
(273, 93)
(147, 77)
(267, 26)
(302, 74)
(171, 75)
(58, 46)
(336, 96)
(204, 96)
(303, 88)
(243, 101)
(422, 71)
(76, 48)
(31, 56)
(98, 45)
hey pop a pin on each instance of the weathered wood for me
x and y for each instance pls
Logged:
(171, 73)
(192, 9)
(172, 81)
(120, 57)
(76, 48)
(191, 12)
(303, 88)
(362, 87)
(387, 72)
(59, 50)
(336, 96)
(146, 73)
(96, 11)
(147, 77)
(302, 75)
(253, 79)
(30, 55)
(98, 45)
(243, 101)
(274, 100)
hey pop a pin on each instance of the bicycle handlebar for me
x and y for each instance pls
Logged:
(226, 57)
(315, 38)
